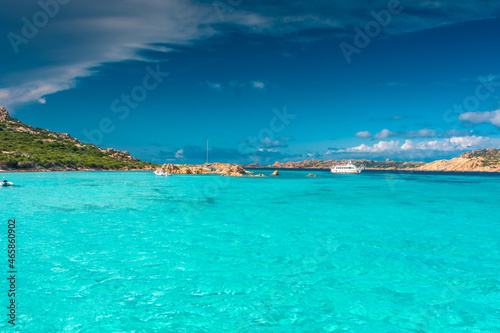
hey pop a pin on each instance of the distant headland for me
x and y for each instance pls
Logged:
(483, 160)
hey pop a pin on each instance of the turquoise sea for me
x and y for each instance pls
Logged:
(135, 252)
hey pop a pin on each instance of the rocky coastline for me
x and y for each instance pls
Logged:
(25, 148)
(483, 160)
(327, 164)
(223, 169)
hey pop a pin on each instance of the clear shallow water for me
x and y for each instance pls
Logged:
(131, 251)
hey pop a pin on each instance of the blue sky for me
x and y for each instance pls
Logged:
(265, 81)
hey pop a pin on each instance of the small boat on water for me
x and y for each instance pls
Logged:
(347, 168)
(162, 173)
(7, 183)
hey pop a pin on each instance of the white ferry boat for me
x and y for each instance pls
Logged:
(347, 168)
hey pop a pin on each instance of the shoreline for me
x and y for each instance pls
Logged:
(250, 168)
(69, 170)
(373, 169)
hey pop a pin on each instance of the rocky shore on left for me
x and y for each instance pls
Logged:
(27, 148)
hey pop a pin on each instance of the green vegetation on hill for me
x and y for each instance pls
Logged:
(26, 147)
(489, 157)
(399, 165)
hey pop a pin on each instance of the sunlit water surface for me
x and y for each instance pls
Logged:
(131, 251)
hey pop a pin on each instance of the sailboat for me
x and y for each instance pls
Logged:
(207, 166)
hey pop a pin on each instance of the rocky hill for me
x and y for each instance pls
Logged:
(483, 160)
(327, 164)
(23, 147)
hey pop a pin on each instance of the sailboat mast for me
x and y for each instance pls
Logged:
(207, 151)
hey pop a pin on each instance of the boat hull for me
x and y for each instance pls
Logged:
(346, 171)
(347, 168)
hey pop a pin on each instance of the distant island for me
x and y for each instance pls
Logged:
(27, 148)
(482, 160)
(327, 164)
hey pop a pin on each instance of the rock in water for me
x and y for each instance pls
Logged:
(226, 169)
(311, 175)
(275, 173)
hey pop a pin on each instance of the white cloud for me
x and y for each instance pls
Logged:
(363, 134)
(382, 146)
(179, 153)
(87, 34)
(385, 133)
(449, 144)
(258, 84)
(46, 81)
(214, 85)
(267, 142)
(408, 145)
(466, 142)
(267, 150)
(421, 133)
(94, 33)
(491, 117)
